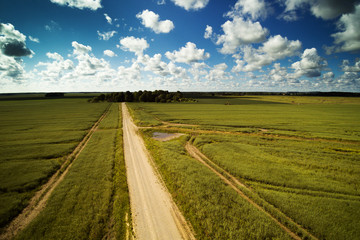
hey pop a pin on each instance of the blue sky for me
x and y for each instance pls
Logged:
(186, 45)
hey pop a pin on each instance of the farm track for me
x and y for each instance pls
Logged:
(182, 127)
(39, 200)
(235, 183)
(154, 214)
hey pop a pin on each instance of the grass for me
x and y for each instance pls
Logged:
(35, 138)
(309, 181)
(337, 120)
(299, 155)
(92, 200)
(213, 208)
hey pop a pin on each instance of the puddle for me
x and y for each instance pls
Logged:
(165, 136)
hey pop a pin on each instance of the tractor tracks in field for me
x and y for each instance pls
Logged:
(236, 185)
(38, 202)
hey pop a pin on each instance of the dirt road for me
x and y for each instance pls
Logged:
(155, 216)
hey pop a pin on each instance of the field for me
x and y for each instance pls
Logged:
(297, 157)
(92, 201)
(249, 167)
(36, 137)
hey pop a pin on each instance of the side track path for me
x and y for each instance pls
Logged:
(154, 214)
(233, 183)
(38, 202)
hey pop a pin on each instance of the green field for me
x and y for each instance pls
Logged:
(300, 156)
(92, 201)
(35, 138)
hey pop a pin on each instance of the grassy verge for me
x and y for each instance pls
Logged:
(214, 210)
(91, 202)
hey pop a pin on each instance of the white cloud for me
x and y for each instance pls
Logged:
(108, 19)
(325, 9)
(151, 20)
(12, 48)
(55, 56)
(198, 70)
(310, 64)
(252, 8)
(239, 32)
(106, 35)
(208, 32)
(218, 73)
(109, 53)
(188, 54)
(81, 4)
(80, 49)
(345, 66)
(33, 39)
(132, 44)
(52, 26)
(160, 2)
(191, 4)
(56, 69)
(349, 36)
(273, 49)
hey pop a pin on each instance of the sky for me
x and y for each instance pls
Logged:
(186, 45)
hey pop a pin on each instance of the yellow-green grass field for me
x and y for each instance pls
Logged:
(35, 138)
(92, 201)
(299, 156)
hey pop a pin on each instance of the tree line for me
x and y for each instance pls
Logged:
(160, 96)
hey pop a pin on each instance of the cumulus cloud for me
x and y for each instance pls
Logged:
(109, 53)
(239, 32)
(56, 69)
(191, 4)
(208, 32)
(108, 19)
(252, 8)
(310, 64)
(275, 48)
(157, 66)
(349, 35)
(12, 48)
(218, 73)
(12, 42)
(188, 54)
(81, 4)
(80, 49)
(106, 35)
(151, 20)
(55, 56)
(33, 39)
(325, 9)
(132, 44)
(345, 66)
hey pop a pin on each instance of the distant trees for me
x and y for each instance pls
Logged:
(54, 95)
(142, 96)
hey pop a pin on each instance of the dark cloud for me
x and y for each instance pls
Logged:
(329, 9)
(15, 48)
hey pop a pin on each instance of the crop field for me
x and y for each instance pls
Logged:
(298, 158)
(36, 137)
(92, 201)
